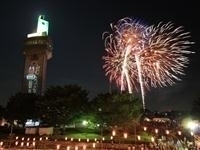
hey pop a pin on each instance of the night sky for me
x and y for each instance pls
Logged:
(76, 29)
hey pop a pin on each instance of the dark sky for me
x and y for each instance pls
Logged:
(76, 29)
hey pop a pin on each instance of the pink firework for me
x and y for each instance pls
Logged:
(140, 56)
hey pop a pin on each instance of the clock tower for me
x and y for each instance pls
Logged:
(37, 51)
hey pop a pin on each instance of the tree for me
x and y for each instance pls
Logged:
(21, 107)
(117, 109)
(60, 105)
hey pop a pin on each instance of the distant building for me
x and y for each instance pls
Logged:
(37, 51)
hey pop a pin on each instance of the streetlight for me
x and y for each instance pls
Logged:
(139, 137)
(152, 139)
(167, 132)
(85, 122)
(156, 131)
(125, 136)
(192, 126)
(179, 133)
(113, 133)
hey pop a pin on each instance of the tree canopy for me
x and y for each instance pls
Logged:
(22, 106)
(117, 109)
(62, 104)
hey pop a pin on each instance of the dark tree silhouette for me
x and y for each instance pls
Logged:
(21, 107)
(61, 104)
(117, 109)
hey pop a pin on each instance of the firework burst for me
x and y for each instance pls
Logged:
(141, 57)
